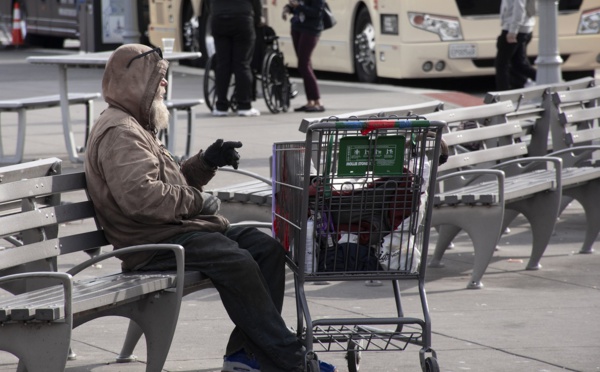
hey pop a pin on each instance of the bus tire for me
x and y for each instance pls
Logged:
(364, 48)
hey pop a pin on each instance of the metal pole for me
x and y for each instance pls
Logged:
(130, 31)
(548, 61)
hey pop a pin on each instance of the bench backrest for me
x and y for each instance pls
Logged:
(534, 111)
(491, 138)
(32, 230)
(417, 109)
(578, 121)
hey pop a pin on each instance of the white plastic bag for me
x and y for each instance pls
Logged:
(393, 256)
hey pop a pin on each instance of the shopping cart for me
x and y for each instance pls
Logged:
(353, 202)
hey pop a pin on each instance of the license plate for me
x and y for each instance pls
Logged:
(457, 51)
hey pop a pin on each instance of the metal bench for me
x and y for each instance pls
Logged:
(575, 134)
(21, 106)
(40, 311)
(530, 185)
(557, 121)
(535, 111)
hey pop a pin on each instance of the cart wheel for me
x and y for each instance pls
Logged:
(431, 365)
(210, 88)
(275, 83)
(353, 356)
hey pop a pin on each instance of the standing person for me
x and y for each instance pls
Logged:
(234, 25)
(513, 69)
(306, 24)
(143, 196)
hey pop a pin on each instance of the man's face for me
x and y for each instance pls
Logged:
(159, 114)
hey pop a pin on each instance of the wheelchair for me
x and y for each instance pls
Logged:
(268, 70)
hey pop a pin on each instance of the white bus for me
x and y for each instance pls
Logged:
(399, 38)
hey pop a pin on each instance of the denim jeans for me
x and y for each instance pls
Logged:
(512, 66)
(247, 267)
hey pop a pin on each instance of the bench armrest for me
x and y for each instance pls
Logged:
(574, 156)
(533, 163)
(67, 283)
(476, 173)
(266, 180)
(177, 249)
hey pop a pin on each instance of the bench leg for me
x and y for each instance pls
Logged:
(481, 224)
(156, 315)
(587, 196)
(170, 140)
(541, 211)
(89, 120)
(39, 347)
(188, 142)
(20, 148)
(134, 333)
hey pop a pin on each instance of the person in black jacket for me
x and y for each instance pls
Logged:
(307, 24)
(234, 25)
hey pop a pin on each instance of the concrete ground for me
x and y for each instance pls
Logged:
(532, 321)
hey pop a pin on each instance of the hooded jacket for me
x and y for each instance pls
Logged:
(140, 193)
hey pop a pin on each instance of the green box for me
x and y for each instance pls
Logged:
(383, 156)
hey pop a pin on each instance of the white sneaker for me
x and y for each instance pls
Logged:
(216, 112)
(529, 83)
(250, 112)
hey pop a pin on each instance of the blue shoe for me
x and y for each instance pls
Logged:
(326, 367)
(240, 362)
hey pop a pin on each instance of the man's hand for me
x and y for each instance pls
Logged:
(220, 154)
(511, 38)
(210, 204)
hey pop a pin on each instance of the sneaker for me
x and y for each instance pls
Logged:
(216, 112)
(240, 362)
(529, 83)
(326, 367)
(250, 112)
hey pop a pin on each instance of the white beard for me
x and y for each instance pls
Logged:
(159, 114)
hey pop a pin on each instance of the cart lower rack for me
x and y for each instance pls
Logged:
(353, 202)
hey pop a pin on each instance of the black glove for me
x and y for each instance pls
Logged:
(220, 154)
(210, 204)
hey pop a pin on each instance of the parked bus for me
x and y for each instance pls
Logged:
(98, 24)
(399, 38)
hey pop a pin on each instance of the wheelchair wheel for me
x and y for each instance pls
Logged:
(275, 83)
(210, 86)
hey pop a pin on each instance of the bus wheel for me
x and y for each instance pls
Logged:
(364, 48)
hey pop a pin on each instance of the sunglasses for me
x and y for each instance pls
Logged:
(157, 50)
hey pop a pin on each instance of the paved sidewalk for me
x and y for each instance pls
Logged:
(533, 321)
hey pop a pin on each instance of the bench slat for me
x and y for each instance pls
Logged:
(483, 133)
(583, 114)
(45, 101)
(46, 217)
(489, 155)
(95, 293)
(576, 95)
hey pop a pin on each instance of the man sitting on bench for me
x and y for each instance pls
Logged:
(142, 195)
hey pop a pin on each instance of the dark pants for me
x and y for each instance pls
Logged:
(512, 66)
(234, 44)
(304, 44)
(247, 267)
